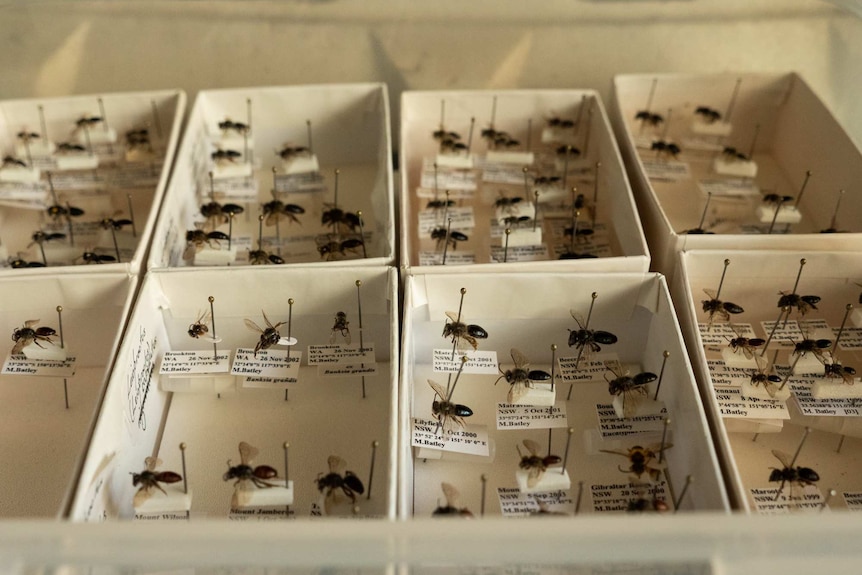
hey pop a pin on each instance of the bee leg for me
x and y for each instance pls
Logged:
(472, 341)
(160, 488)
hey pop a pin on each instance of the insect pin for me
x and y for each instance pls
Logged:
(268, 337)
(633, 389)
(461, 333)
(24, 336)
(340, 327)
(337, 484)
(535, 464)
(200, 328)
(451, 507)
(520, 377)
(150, 479)
(449, 415)
(642, 461)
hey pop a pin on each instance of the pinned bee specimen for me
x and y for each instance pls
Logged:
(507, 204)
(338, 482)
(800, 476)
(834, 370)
(715, 308)
(649, 119)
(24, 336)
(149, 479)
(642, 460)
(69, 148)
(244, 473)
(228, 125)
(588, 341)
(546, 181)
(709, 115)
(41, 237)
(775, 200)
(664, 147)
(816, 347)
(200, 328)
(332, 248)
(217, 214)
(461, 333)
(197, 239)
(340, 327)
(291, 152)
(87, 122)
(223, 157)
(334, 216)
(268, 337)
(262, 257)
(57, 211)
(743, 344)
(91, 257)
(761, 377)
(642, 505)
(535, 464)
(138, 139)
(569, 152)
(441, 236)
(520, 377)
(275, 211)
(803, 303)
(20, 263)
(451, 508)
(449, 415)
(633, 390)
(562, 123)
(114, 224)
(731, 153)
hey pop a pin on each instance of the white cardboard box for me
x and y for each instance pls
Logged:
(530, 312)
(105, 192)
(323, 416)
(350, 132)
(622, 245)
(41, 441)
(753, 281)
(785, 149)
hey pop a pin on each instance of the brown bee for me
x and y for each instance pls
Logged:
(150, 479)
(535, 464)
(642, 460)
(451, 509)
(24, 336)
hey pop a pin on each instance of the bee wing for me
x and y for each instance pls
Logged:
(450, 493)
(252, 326)
(141, 496)
(152, 463)
(782, 457)
(241, 497)
(623, 452)
(266, 319)
(336, 464)
(762, 362)
(330, 501)
(711, 293)
(438, 389)
(615, 367)
(347, 338)
(516, 392)
(632, 399)
(247, 453)
(21, 344)
(31, 322)
(737, 329)
(532, 446)
(453, 317)
(520, 359)
(579, 319)
(534, 476)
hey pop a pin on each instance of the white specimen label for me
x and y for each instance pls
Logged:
(660, 170)
(611, 426)
(340, 353)
(732, 404)
(729, 187)
(511, 416)
(183, 362)
(453, 258)
(513, 503)
(268, 363)
(471, 439)
(19, 365)
(482, 362)
(790, 500)
(588, 370)
(616, 496)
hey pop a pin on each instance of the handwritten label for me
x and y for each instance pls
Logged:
(19, 365)
(588, 370)
(732, 404)
(471, 439)
(661, 170)
(140, 377)
(519, 253)
(453, 258)
(830, 407)
(513, 503)
(853, 500)
(268, 363)
(340, 353)
(617, 496)
(345, 370)
(484, 362)
(743, 187)
(261, 514)
(791, 499)
(511, 416)
(462, 219)
(611, 426)
(186, 362)
(171, 516)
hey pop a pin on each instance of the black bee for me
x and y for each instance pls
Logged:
(111, 223)
(569, 151)
(556, 122)
(776, 199)
(647, 117)
(709, 115)
(91, 257)
(442, 134)
(732, 153)
(633, 389)
(340, 327)
(845, 372)
(334, 216)
(200, 330)
(263, 257)
(448, 415)
(26, 136)
(217, 214)
(268, 337)
(150, 479)
(332, 249)
(813, 346)
(57, 211)
(10, 162)
(228, 125)
(581, 234)
(535, 464)
(800, 476)
(520, 377)
(439, 204)
(804, 303)
(668, 148)
(587, 340)
(197, 239)
(244, 472)
(225, 156)
(744, 344)
(714, 307)
(338, 479)
(451, 509)
(138, 138)
(290, 152)
(276, 210)
(24, 336)
(515, 221)
(507, 203)
(20, 263)
(454, 236)
(69, 148)
(759, 376)
(88, 122)
(543, 181)
(452, 146)
(504, 140)
(41, 237)
(570, 255)
(642, 460)
(461, 332)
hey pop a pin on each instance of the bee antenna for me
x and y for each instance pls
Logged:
(621, 469)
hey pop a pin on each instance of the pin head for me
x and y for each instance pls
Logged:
(463, 291)
(553, 347)
(358, 283)
(183, 446)
(375, 443)
(290, 301)
(286, 445)
(665, 354)
(211, 299)
(727, 262)
(594, 295)
(59, 308)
